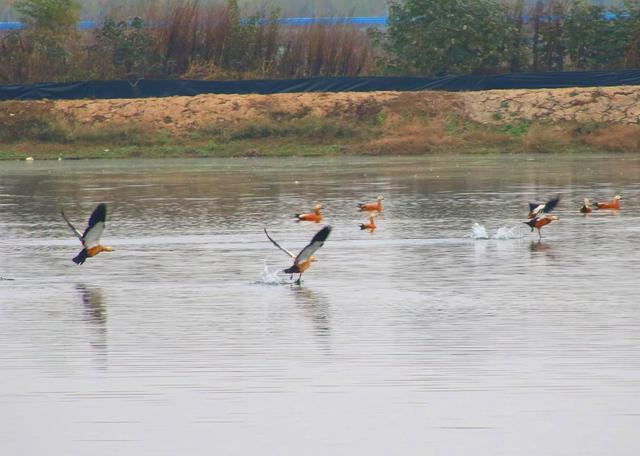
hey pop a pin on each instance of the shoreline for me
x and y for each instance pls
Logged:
(580, 120)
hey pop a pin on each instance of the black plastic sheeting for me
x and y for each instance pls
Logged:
(166, 88)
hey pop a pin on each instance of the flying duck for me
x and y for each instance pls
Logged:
(303, 260)
(90, 239)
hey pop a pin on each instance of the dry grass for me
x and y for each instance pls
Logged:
(546, 139)
(415, 136)
(619, 138)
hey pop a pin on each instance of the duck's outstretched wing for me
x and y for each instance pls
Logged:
(74, 230)
(550, 205)
(278, 245)
(316, 242)
(96, 225)
(534, 206)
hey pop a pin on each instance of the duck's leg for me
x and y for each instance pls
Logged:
(298, 282)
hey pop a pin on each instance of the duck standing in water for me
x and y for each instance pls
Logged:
(539, 222)
(613, 204)
(536, 209)
(315, 216)
(371, 225)
(91, 237)
(369, 207)
(303, 260)
(586, 207)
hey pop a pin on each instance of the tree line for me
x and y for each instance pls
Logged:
(203, 40)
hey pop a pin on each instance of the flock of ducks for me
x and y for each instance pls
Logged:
(539, 213)
(90, 238)
(539, 216)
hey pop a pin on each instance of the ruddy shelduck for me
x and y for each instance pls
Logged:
(369, 207)
(613, 204)
(303, 260)
(586, 206)
(315, 216)
(537, 209)
(540, 222)
(371, 225)
(90, 239)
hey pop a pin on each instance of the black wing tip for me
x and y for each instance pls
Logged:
(99, 214)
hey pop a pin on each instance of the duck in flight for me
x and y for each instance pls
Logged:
(539, 222)
(586, 207)
(537, 209)
(303, 260)
(90, 239)
(613, 204)
(369, 207)
(315, 216)
(371, 225)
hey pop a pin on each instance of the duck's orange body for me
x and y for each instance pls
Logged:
(613, 204)
(369, 226)
(370, 207)
(315, 216)
(543, 222)
(540, 222)
(93, 251)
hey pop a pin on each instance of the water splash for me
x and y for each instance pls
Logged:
(479, 232)
(515, 232)
(269, 277)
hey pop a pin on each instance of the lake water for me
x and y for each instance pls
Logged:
(415, 339)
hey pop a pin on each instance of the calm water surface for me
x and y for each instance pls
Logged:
(416, 339)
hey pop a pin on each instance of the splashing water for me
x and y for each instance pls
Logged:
(479, 232)
(515, 232)
(268, 277)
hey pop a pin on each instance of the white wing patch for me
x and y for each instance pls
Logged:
(92, 236)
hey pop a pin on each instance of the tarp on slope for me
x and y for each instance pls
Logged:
(166, 88)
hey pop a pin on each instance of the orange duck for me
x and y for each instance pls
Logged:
(371, 225)
(539, 222)
(90, 239)
(369, 207)
(613, 204)
(586, 207)
(315, 216)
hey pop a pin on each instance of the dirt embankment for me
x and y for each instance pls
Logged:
(384, 122)
(180, 114)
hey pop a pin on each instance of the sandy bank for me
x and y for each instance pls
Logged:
(374, 122)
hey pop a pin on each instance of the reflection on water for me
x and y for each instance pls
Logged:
(424, 335)
(95, 315)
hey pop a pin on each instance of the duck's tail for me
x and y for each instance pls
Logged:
(292, 270)
(363, 226)
(531, 223)
(81, 257)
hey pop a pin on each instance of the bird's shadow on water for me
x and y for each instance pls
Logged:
(95, 315)
(541, 247)
(315, 307)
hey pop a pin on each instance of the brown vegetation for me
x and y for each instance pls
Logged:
(321, 123)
